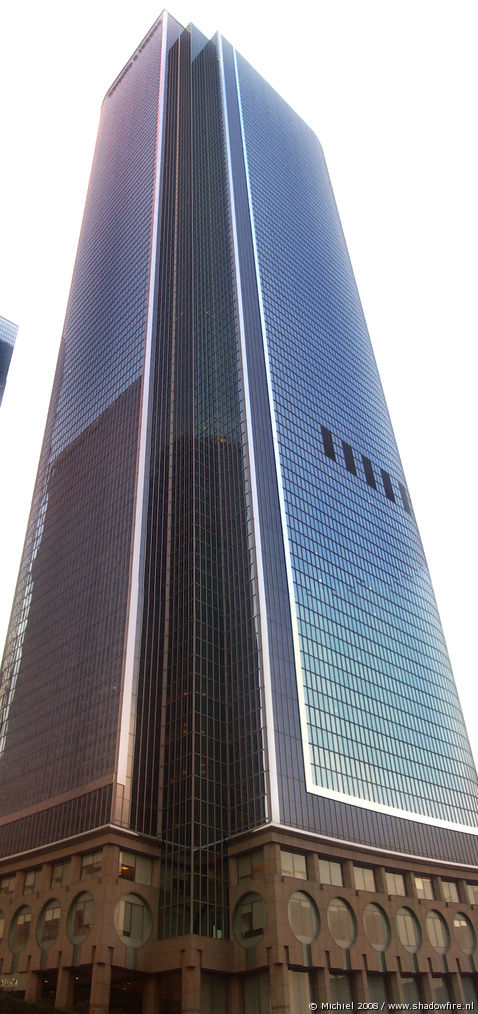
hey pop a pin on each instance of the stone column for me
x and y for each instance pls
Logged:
(456, 989)
(191, 989)
(438, 889)
(395, 987)
(348, 873)
(360, 987)
(280, 992)
(64, 988)
(425, 982)
(324, 992)
(381, 880)
(33, 987)
(313, 867)
(100, 987)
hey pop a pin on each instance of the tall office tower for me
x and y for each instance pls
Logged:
(8, 334)
(234, 773)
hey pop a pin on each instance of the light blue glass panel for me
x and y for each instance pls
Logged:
(383, 719)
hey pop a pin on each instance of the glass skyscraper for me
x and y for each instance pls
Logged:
(234, 772)
(8, 334)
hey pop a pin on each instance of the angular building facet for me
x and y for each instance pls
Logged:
(234, 771)
(8, 334)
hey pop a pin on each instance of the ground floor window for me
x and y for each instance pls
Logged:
(256, 994)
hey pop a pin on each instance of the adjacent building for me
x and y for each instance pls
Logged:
(8, 334)
(234, 771)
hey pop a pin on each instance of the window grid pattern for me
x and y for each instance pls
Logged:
(30, 881)
(450, 890)
(395, 883)
(7, 886)
(91, 864)
(93, 809)
(8, 334)
(199, 657)
(293, 864)
(364, 878)
(424, 888)
(383, 718)
(135, 867)
(250, 865)
(60, 873)
(64, 654)
(330, 872)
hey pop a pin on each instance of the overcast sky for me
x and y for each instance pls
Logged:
(390, 88)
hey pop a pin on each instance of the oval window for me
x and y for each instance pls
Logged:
(464, 933)
(49, 923)
(377, 927)
(437, 931)
(80, 918)
(20, 929)
(132, 920)
(408, 929)
(341, 923)
(303, 917)
(249, 921)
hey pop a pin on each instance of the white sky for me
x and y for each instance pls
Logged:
(390, 88)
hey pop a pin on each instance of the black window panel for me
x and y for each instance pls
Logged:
(367, 466)
(349, 458)
(387, 485)
(328, 443)
(404, 495)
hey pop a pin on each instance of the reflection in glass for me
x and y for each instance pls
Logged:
(376, 925)
(91, 864)
(364, 878)
(341, 922)
(303, 917)
(251, 864)
(299, 989)
(330, 872)
(377, 988)
(250, 920)
(437, 930)
(440, 989)
(293, 864)
(395, 883)
(411, 993)
(408, 930)
(49, 923)
(80, 918)
(464, 933)
(257, 993)
(132, 920)
(472, 891)
(60, 873)
(424, 888)
(450, 890)
(469, 989)
(340, 988)
(135, 867)
(20, 929)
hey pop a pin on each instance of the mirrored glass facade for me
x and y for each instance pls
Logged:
(380, 723)
(64, 661)
(8, 334)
